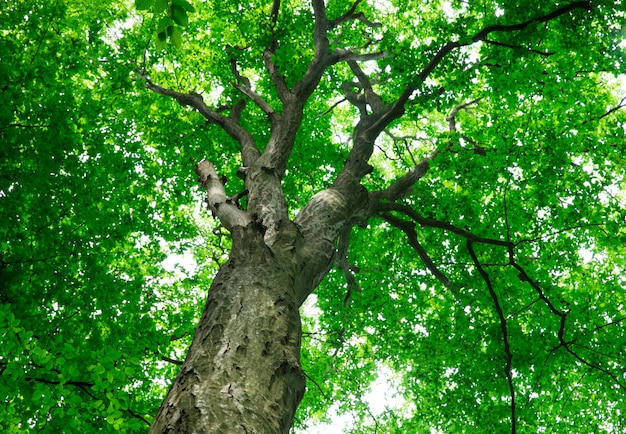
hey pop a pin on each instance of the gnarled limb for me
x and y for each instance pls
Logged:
(227, 212)
(249, 150)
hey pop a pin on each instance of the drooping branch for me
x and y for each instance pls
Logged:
(567, 345)
(249, 150)
(228, 213)
(503, 327)
(409, 230)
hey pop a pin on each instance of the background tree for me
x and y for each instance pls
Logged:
(447, 177)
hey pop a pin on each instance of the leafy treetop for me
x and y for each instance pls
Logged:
(488, 287)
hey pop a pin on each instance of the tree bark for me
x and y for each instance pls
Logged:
(242, 373)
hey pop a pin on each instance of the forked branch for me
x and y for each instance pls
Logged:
(352, 15)
(409, 230)
(244, 86)
(249, 151)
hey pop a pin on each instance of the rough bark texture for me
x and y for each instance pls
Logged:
(242, 373)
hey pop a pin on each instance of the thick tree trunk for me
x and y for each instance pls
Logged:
(242, 373)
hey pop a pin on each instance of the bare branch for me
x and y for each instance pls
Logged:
(452, 116)
(409, 229)
(503, 328)
(249, 151)
(245, 87)
(228, 213)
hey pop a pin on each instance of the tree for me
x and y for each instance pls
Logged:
(441, 184)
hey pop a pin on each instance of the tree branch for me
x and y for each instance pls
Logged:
(612, 110)
(409, 229)
(341, 259)
(245, 87)
(482, 36)
(452, 116)
(249, 151)
(503, 328)
(402, 186)
(172, 361)
(343, 55)
(352, 15)
(383, 206)
(321, 58)
(519, 47)
(227, 212)
(524, 277)
(279, 81)
(371, 98)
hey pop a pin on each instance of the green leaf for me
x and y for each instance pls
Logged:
(161, 41)
(160, 6)
(175, 36)
(179, 15)
(184, 4)
(164, 23)
(144, 5)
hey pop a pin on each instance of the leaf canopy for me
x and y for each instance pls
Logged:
(106, 251)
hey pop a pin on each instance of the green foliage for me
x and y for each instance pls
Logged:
(96, 204)
(171, 16)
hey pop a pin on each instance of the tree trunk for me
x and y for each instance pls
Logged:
(242, 373)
